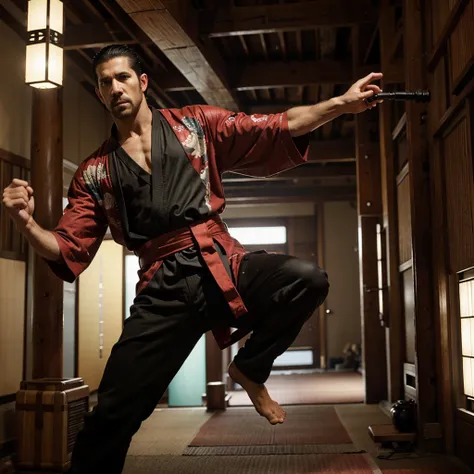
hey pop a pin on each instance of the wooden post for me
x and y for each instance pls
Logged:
(418, 158)
(370, 210)
(47, 183)
(214, 369)
(323, 336)
(395, 322)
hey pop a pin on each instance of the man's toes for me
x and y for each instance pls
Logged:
(281, 412)
(274, 419)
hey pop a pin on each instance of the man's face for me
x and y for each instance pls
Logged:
(119, 87)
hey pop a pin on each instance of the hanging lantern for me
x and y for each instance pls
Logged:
(44, 53)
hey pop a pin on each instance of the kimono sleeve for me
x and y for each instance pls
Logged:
(79, 232)
(254, 145)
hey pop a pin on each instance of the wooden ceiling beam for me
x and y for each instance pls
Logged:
(289, 74)
(175, 82)
(135, 32)
(92, 35)
(13, 23)
(162, 23)
(341, 150)
(83, 63)
(22, 5)
(256, 201)
(264, 75)
(251, 20)
(305, 172)
(332, 151)
(282, 193)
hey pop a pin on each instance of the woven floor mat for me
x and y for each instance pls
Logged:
(304, 425)
(271, 450)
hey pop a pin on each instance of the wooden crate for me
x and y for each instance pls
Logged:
(50, 413)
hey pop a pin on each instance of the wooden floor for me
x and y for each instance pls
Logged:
(163, 439)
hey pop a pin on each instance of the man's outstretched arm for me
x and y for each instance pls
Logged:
(305, 119)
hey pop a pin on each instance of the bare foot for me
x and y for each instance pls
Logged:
(258, 393)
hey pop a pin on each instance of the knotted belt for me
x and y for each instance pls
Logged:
(200, 233)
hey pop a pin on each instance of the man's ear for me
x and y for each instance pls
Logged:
(99, 95)
(144, 82)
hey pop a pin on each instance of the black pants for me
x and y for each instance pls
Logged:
(167, 319)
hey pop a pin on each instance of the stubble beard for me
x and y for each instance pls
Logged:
(122, 111)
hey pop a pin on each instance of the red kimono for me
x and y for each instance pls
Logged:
(191, 149)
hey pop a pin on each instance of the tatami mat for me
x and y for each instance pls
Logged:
(271, 450)
(159, 446)
(243, 427)
(308, 464)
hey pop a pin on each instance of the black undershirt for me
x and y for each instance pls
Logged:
(170, 198)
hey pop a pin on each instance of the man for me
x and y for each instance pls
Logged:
(156, 182)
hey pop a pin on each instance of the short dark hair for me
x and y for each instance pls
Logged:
(117, 51)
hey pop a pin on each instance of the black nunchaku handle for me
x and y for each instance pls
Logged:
(417, 96)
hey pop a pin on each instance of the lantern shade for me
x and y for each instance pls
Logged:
(44, 54)
(36, 63)
(36, 73)
(55, 64)
(37, 15)
(56, 15)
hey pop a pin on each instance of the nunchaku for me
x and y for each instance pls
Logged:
(416, 96)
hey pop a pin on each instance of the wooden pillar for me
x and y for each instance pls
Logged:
(369, 203)
(47, 183)
(394, 319)
(429, 430)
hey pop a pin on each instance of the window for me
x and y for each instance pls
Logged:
(466, 299)
(259, 235)
(292, 358)
(132, 265)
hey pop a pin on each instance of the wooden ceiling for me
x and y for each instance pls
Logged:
(256, 56)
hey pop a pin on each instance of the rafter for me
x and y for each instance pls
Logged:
(151, 60)
(289, 74)
(332, 151)
(244, 45)
(92, 35)
(195, 60)
(133, 31)
(273, 74)
(286, 17)
(264, 46)
(82, 62)
(13, 23)
(239, 194)
(288, 198)
(306, 172)
(281, 39)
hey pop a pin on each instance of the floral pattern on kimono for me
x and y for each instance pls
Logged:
(195, 145)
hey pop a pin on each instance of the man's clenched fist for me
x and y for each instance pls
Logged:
(19, 202)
